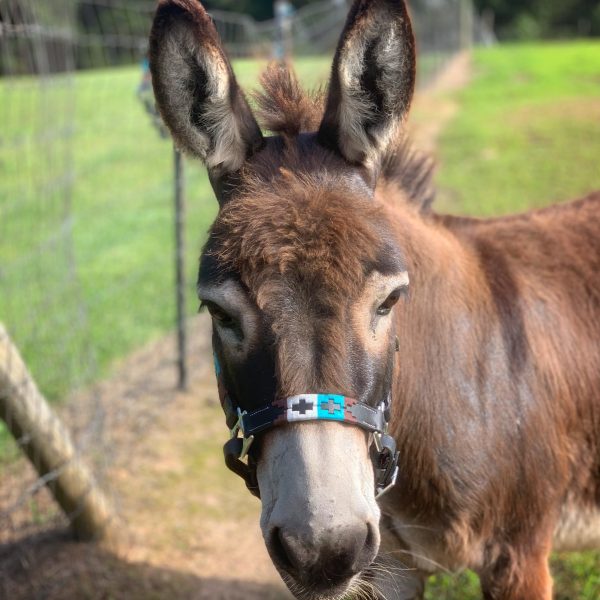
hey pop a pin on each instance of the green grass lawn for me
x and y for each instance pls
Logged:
(121, 221)
(527, 134)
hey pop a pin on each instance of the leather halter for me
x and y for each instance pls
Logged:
(304, 408)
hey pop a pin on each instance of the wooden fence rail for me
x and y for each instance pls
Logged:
(48, 445)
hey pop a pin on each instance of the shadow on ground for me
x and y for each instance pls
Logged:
(53, 567)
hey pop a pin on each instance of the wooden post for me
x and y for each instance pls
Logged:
(49, 447)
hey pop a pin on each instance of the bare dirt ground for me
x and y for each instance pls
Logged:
(189, 529)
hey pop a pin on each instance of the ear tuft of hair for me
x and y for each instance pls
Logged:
(284, 107)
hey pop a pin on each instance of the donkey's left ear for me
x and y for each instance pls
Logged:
(372, 82)
(196, 91)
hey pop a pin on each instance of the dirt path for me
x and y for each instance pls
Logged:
(434, 107)
(190, 529)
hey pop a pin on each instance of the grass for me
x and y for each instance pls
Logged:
(527, 134)
(73, 319)
(576, 577)
(528, 130)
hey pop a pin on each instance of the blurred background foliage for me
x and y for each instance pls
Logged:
(536, 19)
(509, 19)
(513, 19)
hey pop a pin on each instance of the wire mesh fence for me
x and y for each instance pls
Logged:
(442, 28)
(86, 181)
(79, 161)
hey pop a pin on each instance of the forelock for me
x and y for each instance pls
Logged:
(299, 230)
(284, 107)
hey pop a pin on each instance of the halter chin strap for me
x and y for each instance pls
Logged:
(244, 426)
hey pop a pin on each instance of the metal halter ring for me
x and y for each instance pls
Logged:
(239, 427)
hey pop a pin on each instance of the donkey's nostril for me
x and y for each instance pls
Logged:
(369, 549)
(347, 553)
(281, 552)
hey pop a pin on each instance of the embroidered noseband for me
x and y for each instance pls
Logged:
(303, 408)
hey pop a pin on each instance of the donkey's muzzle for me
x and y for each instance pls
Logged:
(327, 563)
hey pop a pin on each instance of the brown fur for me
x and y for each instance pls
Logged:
(510, 306)
(281, 244)
(285, 108)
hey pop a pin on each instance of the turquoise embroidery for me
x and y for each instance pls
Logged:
(330, 406)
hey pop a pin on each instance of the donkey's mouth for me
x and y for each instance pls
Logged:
(322, 589)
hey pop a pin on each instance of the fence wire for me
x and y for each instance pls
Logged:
(86, 180)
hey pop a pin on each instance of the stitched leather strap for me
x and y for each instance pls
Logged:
(313, 407)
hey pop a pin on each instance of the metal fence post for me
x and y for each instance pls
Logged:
(180, 268)
(466, 24)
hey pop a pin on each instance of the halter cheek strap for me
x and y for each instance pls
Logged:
(303, 408)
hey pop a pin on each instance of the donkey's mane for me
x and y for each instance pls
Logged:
(285, 108)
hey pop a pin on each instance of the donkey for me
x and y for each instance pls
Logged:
(350, 319)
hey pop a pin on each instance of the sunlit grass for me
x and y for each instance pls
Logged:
(528, 130)
(122, 276)
(73, 311)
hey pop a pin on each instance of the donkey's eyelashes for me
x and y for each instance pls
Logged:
(222, 317)
(235, 317)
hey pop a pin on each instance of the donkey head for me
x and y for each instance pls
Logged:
(301, 270)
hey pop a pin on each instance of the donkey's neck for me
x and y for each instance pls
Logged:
(454, 384)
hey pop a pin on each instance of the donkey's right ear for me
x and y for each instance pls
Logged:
(196, 91)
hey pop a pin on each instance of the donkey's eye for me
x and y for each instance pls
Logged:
(219, 315)
(385, 308)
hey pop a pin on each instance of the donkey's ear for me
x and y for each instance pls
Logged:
(372, 81)
(196, 91)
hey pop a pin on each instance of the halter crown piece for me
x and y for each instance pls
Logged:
(302, 408)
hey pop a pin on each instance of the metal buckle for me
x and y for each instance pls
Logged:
(377, 441)
(239, 427)
(387, 467)
(382, 490)
(383, 409)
